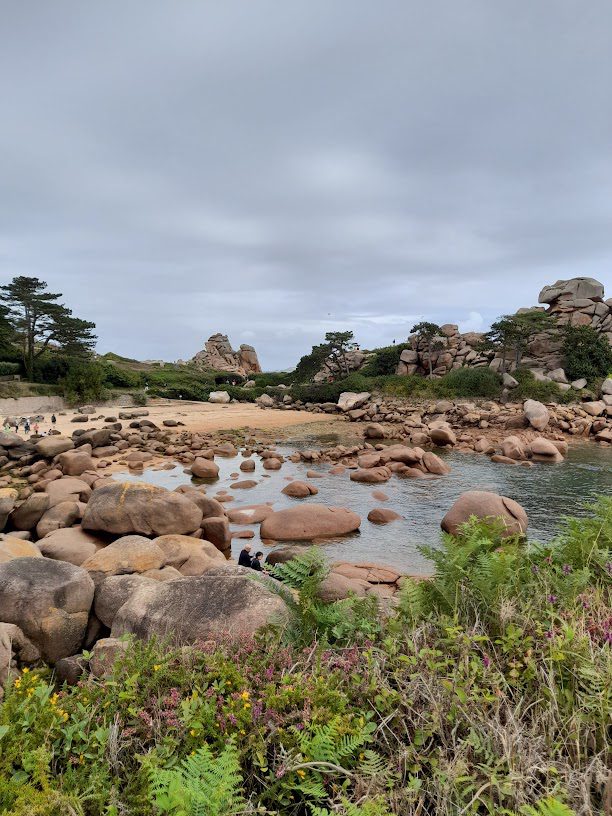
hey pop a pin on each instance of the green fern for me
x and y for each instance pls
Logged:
(202, 785)
(547, 807)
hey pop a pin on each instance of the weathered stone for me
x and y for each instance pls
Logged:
(309, 521)
(113, 592)
(485, 505)
(195, 609)
(105, 655)
(70, 544)
(349, 400)
(49, 601)
(128, 554)
(190, 556)
(299, 490)
(138, 507)
(382, 515)
(536, 414)
(12, 547)
(219, 397)
(50, 446)
(204, 469)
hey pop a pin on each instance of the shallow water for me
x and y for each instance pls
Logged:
(547, 492)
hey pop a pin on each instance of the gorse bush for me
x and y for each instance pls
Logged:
(486, 690)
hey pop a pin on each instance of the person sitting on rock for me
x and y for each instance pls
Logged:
(244, 559)
(256, 563)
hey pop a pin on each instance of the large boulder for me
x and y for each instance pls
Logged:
(15, 648)
(219, 397)
(249, 513)
(485, 505)
(67, 488)
(349, 400)
(113, 592)
(536, 414)
(74, 463)
(8, 498)
(64, 514)
(606, 387)
(371, 475)
(513, 448)
(132, 553)
(189, 610)
(50, 446)
(309, 521)
(70, 544)
(299, 490)
(137, 507)
(204, 468)
(573, 289)
(27, 515)
(216, 530)
(49, 601)
(190, 556)
(12, 547)
(105, 654)
(336, 587)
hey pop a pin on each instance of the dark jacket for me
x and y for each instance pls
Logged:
(256, 565)
(244, 559)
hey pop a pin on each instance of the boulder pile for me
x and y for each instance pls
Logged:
(219, 355)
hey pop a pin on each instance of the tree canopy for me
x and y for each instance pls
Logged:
(37, 320)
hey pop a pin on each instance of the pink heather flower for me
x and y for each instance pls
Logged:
(552, 599)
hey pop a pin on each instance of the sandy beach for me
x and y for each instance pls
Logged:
(200, 417)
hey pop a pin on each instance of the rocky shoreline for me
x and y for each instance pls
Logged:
(85, 558)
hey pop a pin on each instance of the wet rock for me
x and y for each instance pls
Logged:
(485, 505)
(309, 521)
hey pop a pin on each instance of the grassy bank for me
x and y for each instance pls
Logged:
(487, 691)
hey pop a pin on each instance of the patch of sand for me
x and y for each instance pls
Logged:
(200, 416)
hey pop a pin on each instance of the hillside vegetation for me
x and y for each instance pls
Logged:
(487, 690)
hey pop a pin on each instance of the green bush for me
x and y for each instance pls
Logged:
(471, 382)
(6, 369)
(51, 368)
(384, 361)
(116, 377)
(84, 382)
(587, 353)
(530, 388)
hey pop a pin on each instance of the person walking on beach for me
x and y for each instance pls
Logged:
(53, 419)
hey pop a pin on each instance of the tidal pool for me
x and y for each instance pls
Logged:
(547, 492)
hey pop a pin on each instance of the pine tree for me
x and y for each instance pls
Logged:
(38, 319)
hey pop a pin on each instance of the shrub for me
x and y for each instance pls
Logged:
(384, 361)
(6, 369)
(117, 377)
(587, 353)
(471, 382)
(530, 388)
(84, 382)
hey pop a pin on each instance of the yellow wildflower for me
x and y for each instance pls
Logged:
(246, 705)
(17, 682)
(245, 695)
(156, 667)
(301, 773)
(25, 671)
(193, 732)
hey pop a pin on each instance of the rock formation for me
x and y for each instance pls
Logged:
(218, 354)
(575, 302)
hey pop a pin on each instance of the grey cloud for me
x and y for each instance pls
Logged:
(277, 170)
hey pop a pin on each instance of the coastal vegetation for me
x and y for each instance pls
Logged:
(486, 690)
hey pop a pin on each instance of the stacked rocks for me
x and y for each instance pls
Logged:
(219, 354)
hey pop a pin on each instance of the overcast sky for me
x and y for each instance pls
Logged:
(276, 170)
